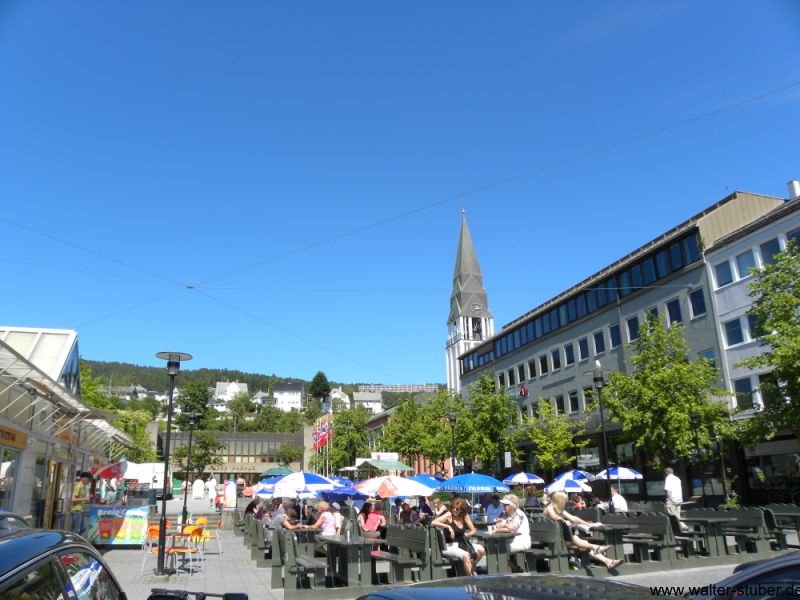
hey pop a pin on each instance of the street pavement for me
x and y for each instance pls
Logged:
(234, 571)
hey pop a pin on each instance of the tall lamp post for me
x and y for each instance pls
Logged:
(599, 383)
(452, 418)
(193, 417)
(174, 360)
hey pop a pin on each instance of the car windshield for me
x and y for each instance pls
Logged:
(11, 523)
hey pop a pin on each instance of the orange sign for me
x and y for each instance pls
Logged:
(12, 438)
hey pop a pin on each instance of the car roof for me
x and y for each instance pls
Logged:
(24, 545)
(525, 586)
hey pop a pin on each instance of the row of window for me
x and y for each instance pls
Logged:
(581, 350)
(739, 266)
(645, 272)
(573, 402)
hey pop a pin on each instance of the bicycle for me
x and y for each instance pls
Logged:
(164, 594)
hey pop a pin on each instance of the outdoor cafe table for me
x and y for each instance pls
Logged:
(612, 535)
(715, 541)
(306, 537)
(349, 558)
(496, 545)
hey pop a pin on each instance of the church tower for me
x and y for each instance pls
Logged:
(470, 321)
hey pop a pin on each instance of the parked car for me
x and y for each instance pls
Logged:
(37, 563)
(524, 586)
(10, 522)
(770, 578)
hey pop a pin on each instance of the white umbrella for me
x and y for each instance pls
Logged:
(290, 486)
(620, 473)
(523, 479)
(567, 485)
(390, 486)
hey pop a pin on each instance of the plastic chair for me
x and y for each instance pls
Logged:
(207, 535)
(193, 539)
(150, 545)
(201, 521)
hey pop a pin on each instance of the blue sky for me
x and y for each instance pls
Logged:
(303, 165)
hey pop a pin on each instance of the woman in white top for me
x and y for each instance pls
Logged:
(325, 522)
(516, 522)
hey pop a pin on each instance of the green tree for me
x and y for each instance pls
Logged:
(553, 435)
(349, 437)
(239, 408)
(148, 404)
(134, 423)
(288, 454)
(194, 397)
(319, 387)
(488, 423)
(91, 390)
(267, 419)
(405, 431)
(312, 411)
(656, 403)
(435, 417)
(205, 454)
(776, 311)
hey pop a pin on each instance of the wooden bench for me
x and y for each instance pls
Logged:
(261, 551)
(785, 520)
(238, 522)
(308, 571)
(548, 543)
(438, 561)
(653, 538)
(749, 528)
(408, 551)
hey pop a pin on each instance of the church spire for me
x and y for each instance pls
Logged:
(470, 322)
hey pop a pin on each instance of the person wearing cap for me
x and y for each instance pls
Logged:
(80, 497)
(338, 519)
(494, 509)
(515, 522)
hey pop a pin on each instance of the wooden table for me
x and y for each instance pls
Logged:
(349, 558)
(496, 545)
(714, 540)
(612, 536)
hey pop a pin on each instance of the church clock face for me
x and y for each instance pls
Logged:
(477, 307)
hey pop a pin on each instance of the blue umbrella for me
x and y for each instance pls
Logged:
(473, 483)
(523, 479)
(567, 485)
(341, 494)
(620, 473)
(430, 480)
(341, 480)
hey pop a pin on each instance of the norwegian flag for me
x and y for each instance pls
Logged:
(315, 439)
(323, 434)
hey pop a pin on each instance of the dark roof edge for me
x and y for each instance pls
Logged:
(782, 211)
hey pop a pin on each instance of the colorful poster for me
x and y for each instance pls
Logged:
(230, 494)
(117, 525)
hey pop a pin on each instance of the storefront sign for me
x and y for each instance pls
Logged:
(117, 525)
(11, 438)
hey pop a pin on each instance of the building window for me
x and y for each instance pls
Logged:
(556, 354)
(674, 311)
(733, 332)
(633, 329)
(532, 369)
(723, 273)
(615, 335)
(653, 310)
(754, 328)
(744, 393)
(501, 380)
(588, 394)
(569, 354)
(583, 349)
(521, 373)
(574, 403)
(793, 236)
(709, 355)
(511, 377)
(599, 342)
(543, 364)
(768, 251)
(560, 404)
(768, 389)
(744, 262)
(697, 302)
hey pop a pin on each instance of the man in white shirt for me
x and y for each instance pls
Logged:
(617, 501)
(338, 518)
(674, 490)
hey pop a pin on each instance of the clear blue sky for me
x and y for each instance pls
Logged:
(149, 146)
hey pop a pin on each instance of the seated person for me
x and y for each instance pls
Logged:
(578, 503)
(493, 509)
(459, 526)
(516, 522)
(408, 516)
(252, 507)
(557, 511)
(372, 522)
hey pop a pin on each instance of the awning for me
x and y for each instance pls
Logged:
(386, 465)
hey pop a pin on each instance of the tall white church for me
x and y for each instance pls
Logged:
(470, 321)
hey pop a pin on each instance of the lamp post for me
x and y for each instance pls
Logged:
(174, 360)
(599, 383)
(192, 416)
(695, 419)
(452, 418)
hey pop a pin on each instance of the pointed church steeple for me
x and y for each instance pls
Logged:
(470, 322)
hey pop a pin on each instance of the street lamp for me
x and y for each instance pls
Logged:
(193, 417)
(599, 383)
(174, 360)
(452, 418)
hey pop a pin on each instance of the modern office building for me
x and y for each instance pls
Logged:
(548, 353)
(775, 464)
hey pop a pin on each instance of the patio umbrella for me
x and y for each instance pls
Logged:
(341, 494)
(389, 486)
(567, 485)
(620, 473)
(523, 479)
(576, 474)
(273, 471)
(430, 480)
(112, 470)
(473, 483)
(270, 480)
(289, 486)
(341, 480)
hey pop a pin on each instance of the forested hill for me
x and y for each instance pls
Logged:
(155, 379)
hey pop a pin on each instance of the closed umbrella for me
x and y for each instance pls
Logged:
(473, 483)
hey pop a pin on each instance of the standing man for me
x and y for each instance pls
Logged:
(80, 497)
(618, 501)
(674, 490)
